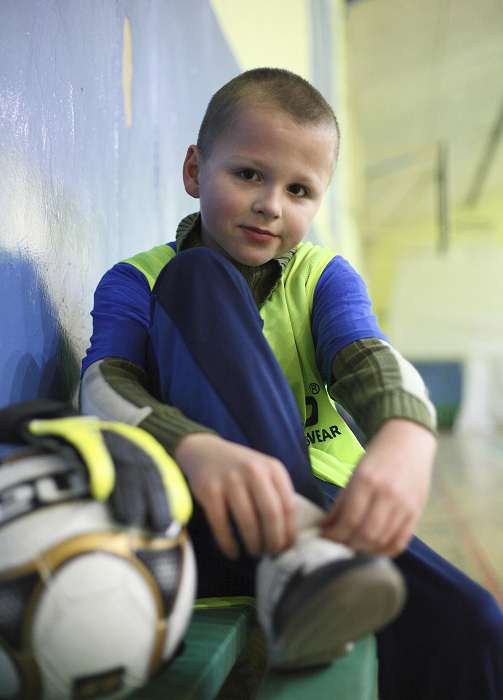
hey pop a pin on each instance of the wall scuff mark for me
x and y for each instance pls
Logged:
(127, 72)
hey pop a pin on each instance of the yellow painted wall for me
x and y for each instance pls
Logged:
(267, 33)
(479, 228)
(348, 192)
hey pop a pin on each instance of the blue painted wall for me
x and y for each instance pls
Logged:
(444, 380)
(79, 188)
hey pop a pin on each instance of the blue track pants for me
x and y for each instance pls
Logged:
(211, 360)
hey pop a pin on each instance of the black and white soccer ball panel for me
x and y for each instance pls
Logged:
(87, 607)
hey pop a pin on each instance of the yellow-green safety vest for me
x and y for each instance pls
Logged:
(334, 450)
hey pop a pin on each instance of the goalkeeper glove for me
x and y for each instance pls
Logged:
(125, 465)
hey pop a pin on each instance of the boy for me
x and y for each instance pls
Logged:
(180, 348)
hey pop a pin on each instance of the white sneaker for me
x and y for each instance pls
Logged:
(318, 597)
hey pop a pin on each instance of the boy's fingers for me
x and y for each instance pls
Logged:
(395, 529)
(286, 493)
(271, 519)
(245, 517)
(347, 514)
(400, 538)
(373, 532)
(217, 516)
(271, 513)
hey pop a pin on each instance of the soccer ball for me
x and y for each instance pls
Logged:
(88, 608)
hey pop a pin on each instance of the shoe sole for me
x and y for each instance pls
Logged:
(325, 619)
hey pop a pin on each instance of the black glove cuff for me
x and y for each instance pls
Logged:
(14, 417)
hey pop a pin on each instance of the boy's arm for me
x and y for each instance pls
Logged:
(116, 389)
(374, 382)
(225, 478)
(384, 393)
(115, 384)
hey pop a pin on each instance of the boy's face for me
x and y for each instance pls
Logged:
(261, 184)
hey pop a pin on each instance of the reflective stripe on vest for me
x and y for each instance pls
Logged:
(334, 451)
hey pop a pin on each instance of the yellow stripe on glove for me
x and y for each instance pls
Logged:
(84, 434)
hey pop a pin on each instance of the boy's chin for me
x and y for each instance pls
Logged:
(257, 257)
(251, 260)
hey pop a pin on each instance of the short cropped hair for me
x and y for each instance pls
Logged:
(274, 87)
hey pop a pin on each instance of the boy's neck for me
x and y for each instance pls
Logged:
(262, 279)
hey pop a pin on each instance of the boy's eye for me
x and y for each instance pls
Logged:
(298, 190)
(248, 174)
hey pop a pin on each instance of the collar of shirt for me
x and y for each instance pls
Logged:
(262, 279)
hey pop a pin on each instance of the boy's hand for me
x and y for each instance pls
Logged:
(227, 480)
(378, 510)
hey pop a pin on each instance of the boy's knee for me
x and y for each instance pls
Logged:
(202, 257)
(196, 266)
(484, 618)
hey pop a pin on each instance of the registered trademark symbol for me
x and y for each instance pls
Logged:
(314, 388)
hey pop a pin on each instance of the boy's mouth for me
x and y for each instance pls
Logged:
(254, 230)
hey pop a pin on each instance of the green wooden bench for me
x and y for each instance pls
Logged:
(223, 658)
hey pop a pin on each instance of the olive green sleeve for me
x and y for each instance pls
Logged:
(373, 382)
(115, 389)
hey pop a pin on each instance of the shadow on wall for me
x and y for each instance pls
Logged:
(37, 358)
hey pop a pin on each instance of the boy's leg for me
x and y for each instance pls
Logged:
(213, 363)
(447, 642)
(206, 308)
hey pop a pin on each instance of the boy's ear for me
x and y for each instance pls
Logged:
(191, 171)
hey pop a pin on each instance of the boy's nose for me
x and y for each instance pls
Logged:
(268, 203)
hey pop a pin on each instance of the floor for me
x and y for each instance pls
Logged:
(463, 520)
